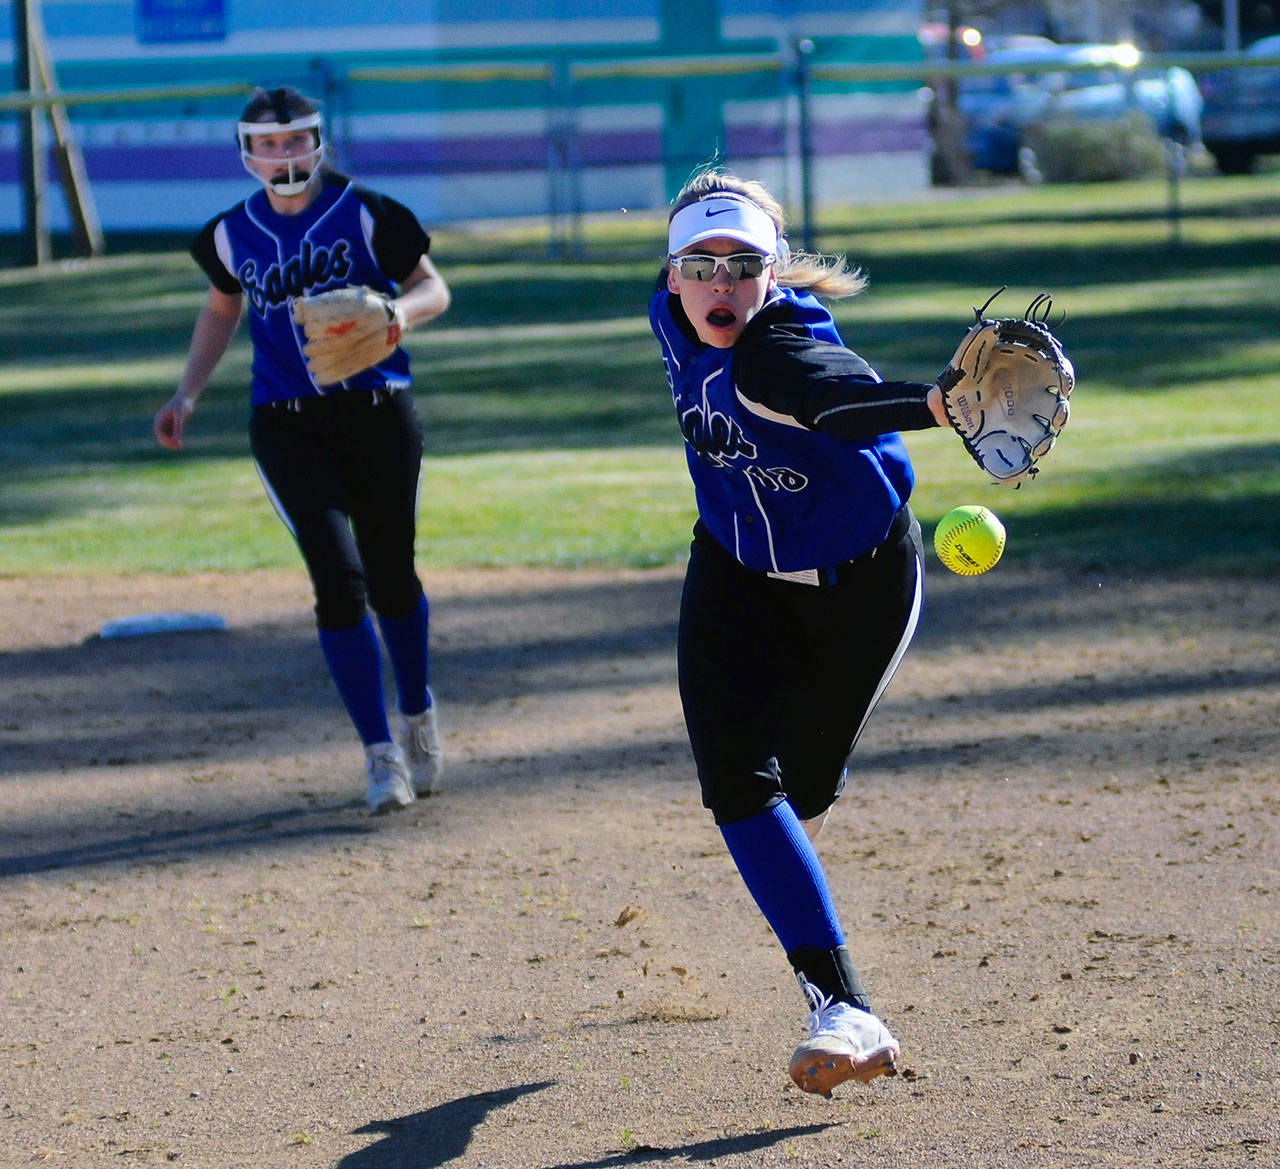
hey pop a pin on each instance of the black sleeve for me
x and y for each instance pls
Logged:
(399, 240)
(205, 254)
(825, 386)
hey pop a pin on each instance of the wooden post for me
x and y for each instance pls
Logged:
(34, 171)
(66, 150)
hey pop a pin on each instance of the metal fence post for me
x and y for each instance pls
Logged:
(563, 182)
(1176, 155)
(332, 90)
(801, 51)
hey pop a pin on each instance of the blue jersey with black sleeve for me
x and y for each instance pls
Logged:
(791, 438)
(348, 235)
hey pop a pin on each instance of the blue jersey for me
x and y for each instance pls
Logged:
(349, 235)
(793, 462)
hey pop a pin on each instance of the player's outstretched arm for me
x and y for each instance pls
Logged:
(214, 328)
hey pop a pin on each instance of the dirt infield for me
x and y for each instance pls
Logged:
(1059, 866)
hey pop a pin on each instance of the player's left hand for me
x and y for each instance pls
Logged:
(348, 330)
(1005, 391)
(171, 420)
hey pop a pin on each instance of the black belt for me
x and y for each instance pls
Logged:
(832, 575)
(356, 398)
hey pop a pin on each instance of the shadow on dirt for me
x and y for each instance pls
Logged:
(153, 843)
(435, 1136)
(697, 1151)
(255, 690)
(209, 708)
(439, 1136)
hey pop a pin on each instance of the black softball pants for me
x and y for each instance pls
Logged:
(344, 471)
(777, 678)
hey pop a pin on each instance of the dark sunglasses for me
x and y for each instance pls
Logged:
(740, 266)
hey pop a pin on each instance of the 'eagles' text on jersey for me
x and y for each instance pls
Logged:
(779, 495)
(348, 235)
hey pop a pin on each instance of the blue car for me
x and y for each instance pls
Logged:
(999, 109)
(1241, 117)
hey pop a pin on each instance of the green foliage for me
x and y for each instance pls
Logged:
(1094, 150)
(549, 432)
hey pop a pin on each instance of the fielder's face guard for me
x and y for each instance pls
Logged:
(301, 168)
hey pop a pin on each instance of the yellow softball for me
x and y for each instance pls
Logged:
(969, 540)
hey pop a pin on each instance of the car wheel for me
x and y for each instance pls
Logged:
(1233, 160)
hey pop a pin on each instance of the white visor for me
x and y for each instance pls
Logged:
(722, 216)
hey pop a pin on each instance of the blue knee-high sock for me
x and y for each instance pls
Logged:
(406, 640)
(784, 875)
(356, 665)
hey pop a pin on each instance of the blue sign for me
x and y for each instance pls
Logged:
(164, 21)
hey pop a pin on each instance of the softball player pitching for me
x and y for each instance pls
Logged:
(804, 580)
(341, 462)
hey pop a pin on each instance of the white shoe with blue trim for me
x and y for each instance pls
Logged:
(844, 1043)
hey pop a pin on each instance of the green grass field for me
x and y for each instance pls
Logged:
(550, 438)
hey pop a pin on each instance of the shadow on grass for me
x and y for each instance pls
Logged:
(1199, 513)
(1006, 206)
(611, 399)
(1123, 350)
(1181, 536)
(518, 395)
(1062, 267)
(146, 306)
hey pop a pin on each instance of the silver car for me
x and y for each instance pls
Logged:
(1241, 116)
(1106, 82)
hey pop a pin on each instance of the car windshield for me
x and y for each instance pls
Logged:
(1005, 84)
(1091, 78)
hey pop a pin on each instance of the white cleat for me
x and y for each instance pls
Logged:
(420, 737)
(844, 1044)
(389, 786)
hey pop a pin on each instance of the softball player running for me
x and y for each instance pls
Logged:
(804, 579)
(341, 463)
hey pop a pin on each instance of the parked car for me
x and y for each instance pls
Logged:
(968, 42)
(1241, 116)
(1003, 42)
(973, 45)
(999, 109)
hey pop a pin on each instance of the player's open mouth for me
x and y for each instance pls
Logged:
(721, 318)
